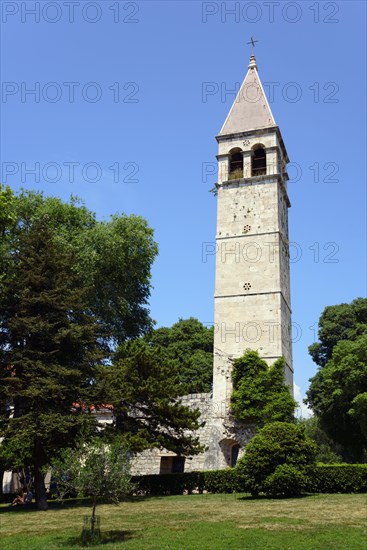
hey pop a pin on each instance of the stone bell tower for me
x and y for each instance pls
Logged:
(252, 290)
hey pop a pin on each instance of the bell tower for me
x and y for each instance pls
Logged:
(252, 288)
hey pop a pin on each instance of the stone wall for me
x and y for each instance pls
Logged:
(149, 461)
(218, 435)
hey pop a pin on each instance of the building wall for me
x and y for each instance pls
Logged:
(149, 461)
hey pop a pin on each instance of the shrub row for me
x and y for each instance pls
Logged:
(338, 478)
(325, 478)
(214, 481)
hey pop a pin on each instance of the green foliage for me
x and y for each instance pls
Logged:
(167, 484)
(223, 481)
(338, 391)
(213, 481)
(286, 481)
(276, 444)
(95, 470)
(7, 216)
(48, 352)
(71, 286)
(359, 412)
(337, 395)
(340, 322)
(142, 387)
(188, 347)
(112, 258)
(327, 450)
(338, 478)
(260, 394)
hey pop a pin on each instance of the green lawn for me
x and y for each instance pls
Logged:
(197, 522)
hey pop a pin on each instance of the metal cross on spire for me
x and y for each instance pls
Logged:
(252, 42)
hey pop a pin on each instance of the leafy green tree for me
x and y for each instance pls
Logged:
(113, 258)
(340, 322)
(49, 347)
(328, 451)
(338, 397)
(96, 470)
(143, 389)
(7, 216)
(188, 347)
(277, 460)
(73, 288)
(260, 394)
(338, 391)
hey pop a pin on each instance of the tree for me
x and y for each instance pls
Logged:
(49, 347)
(7, 216)
(338, 397)
(188, 347)
(338, 391)
(73, 289)
(95, 470)
(340, 322)
(143, 388)
(113, 258)
(277, 460)
(328, 451)
(260, 394)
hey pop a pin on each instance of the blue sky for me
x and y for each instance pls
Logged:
(122, 117)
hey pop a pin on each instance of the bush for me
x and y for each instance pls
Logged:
(222, 481)
(287, 480)
(214, 481)
(276, 444)
(338, 478)
(165, 484)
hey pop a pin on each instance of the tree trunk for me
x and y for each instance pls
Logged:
(40, 489)
(93, 520)
(1, 482)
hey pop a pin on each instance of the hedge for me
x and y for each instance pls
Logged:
(214, 481)
(338, 478)
(325, 478)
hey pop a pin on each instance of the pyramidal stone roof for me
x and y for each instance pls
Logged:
(250, 110)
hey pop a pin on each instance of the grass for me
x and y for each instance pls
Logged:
(197, 522)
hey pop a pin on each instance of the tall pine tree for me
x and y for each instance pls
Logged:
(48, 353)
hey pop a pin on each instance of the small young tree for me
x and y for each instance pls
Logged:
(277, 460)
(95, 470)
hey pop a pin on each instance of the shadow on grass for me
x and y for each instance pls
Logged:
(109, 537)
(53, 505)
